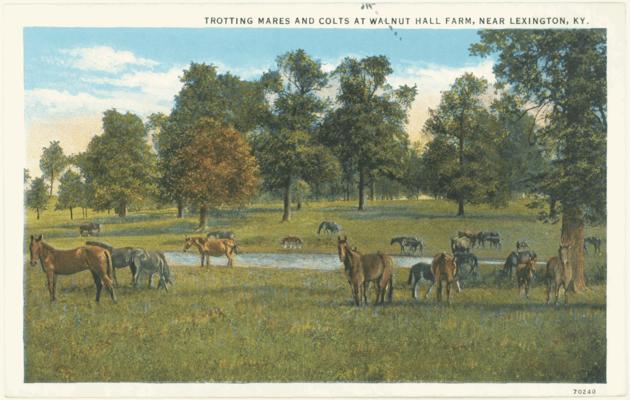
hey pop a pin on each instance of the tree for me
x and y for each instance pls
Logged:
(71, 192)
(462, 162)
(561, 75)
(27, 176)
(52, 162)
(204, 94)
(219, 168)
(37, 195)
(287, 149)
(367, 129)
(119, 165)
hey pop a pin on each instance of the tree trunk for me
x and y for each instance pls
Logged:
(180, 208)
(70, 213)
(37, 209)
(372, 188)
(203, 217)
(52, 179)
(299, 202)
(572, 235)
(361, 190)
(460, 207)
(122, 210)
(286, 215)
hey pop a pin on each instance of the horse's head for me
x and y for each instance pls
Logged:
(342, 247)
(563, 254)
(36, 249)
(188, 242)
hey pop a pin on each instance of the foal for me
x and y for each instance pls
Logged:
(558, 273)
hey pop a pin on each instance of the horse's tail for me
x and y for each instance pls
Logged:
(110, 270)
(106, 246)
(390, 291)
(410, 276)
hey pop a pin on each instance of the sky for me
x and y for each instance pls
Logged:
(72, 75)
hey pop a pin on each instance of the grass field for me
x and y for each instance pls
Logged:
(264, 325)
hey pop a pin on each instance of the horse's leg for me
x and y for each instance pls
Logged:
(439, 290)
(54, 285)
(414, 286)
(150, 278)
(50, 276)
(426, 295)
(557, 292)
(98, 284)
(566, 296)
(448, 291)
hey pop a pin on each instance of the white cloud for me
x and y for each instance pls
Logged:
(162, 85)
(104, 58)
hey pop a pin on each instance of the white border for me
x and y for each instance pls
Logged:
(16, 16)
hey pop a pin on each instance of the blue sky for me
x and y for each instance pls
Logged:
(72, 75)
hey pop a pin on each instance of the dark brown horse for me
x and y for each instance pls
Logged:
(362, 269)
(444, 268)
(66, 262)
(212, 247)
(558, 273)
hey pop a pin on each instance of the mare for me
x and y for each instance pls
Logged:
(66, 262)
(212, 247)
(558, 273)
(472, 236)
(516, 259)
(152, 262)
(443, 267)
(460, 244)
(362, 269)
(595, 241)
(291, 242)
(329, 227)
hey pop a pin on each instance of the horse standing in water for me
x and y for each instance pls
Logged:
(362, 269)
(66, 262)
(212, 247)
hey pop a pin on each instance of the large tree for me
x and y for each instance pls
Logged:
(367, 128)
(52, 162)
(204, 94)
(219, 168)
(71, 192)
(561, 75)
(462, 161)
(37, 195)
(119, 165)
(287, 148)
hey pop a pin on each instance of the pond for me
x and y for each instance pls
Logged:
(317, 261)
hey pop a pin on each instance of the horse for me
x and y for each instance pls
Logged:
(152, 262)
(595, 241)
(443, 267)
(413, 245)
(524, 275)
(291, 242)
(362, 269)
(221, 235)
(472, 236)
(88, 228)
(212, 247)
(470, 260)
(400, 240)
(558, 273)
(460, 244)
(66, 262)
(493, 237)
(330, 227)
(516, 259)
(417, 273)
(121, 257)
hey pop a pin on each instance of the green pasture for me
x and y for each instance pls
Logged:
(264, 325)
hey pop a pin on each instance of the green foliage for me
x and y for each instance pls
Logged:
(52, 162)
(27, 176)
(71, 191)
(562, 75)
(367, 129)
(119, 165)
(37, 196)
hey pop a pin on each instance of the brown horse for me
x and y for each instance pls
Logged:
(212, 247)
(362, 269)
(443, 267)
(524, 275)
(66, 262)
(558, 273)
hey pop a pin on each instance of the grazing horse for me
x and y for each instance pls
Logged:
(472, 236)
(221, 235)
(408, 244)
(152, 262)
(66, 262)
(212, 247)
(362, 269)
(291, 242)
(121, 257)
(595, 241)
(559, 273)
(400, 240)
(460, 244)
(467, 259)
(516, 259)
(492, 237)
(521, 245)
(524, 275)
(443, 268)
(422, 271)
(329, 227)
(88, 228)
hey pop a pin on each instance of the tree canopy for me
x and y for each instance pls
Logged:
(37, 195)
(52, 162)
